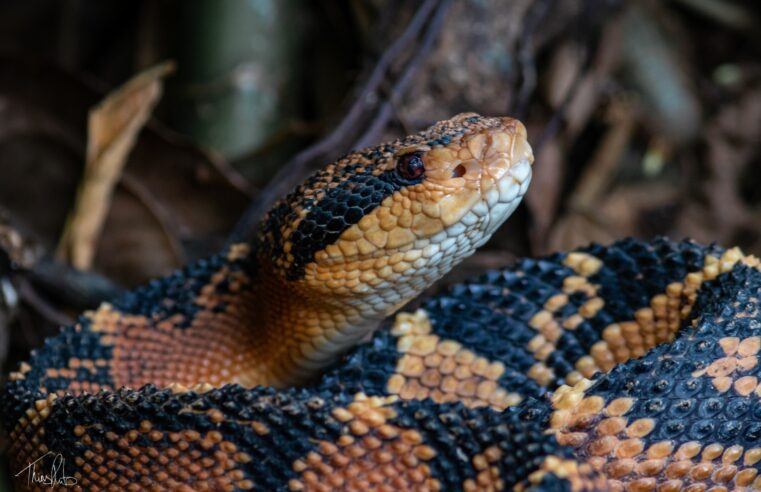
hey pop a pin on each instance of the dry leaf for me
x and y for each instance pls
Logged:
(170, 194)
(112, 131)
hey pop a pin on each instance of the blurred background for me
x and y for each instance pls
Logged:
(137, 136)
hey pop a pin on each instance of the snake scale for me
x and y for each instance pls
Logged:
(280, 366)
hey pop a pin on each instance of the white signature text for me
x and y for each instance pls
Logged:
(55, 476)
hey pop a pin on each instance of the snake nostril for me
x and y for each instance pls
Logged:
(459, 171)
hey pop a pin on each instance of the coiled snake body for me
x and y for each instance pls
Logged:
(627, 367)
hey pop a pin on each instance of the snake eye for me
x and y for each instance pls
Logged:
(410, 166)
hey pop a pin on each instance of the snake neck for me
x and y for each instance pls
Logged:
(297, 334)
(370, 232)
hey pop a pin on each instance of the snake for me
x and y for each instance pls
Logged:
(289, 362)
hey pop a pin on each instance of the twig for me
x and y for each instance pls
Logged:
(374, 81)
(296, 168)
(387, 108)
(169, 226)
(70, 287)
(28, 294)
(534, 18)
(558, 119)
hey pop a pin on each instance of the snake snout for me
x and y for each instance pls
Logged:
(503, 159)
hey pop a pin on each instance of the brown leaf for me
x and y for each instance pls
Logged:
(172, 195)
(112, 131)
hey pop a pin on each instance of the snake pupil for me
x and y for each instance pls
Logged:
(411, 166)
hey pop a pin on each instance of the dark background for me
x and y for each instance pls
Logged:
(645, 119)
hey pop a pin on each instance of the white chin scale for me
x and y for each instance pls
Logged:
(501, 200)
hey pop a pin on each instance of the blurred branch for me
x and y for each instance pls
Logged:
(558, 119)
(537, 14)
(46, 286)
(367, 103)
(728, 13)
(400, 86)
(164, 218)
(71, 287)
(597, 176)
(651, 62)
(29, 295)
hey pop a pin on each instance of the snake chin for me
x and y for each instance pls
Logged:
(505, 197)
(493, 169)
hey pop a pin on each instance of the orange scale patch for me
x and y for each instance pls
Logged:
(185, 460)
(26, 439)
(74, 385)
(487, 473)
(630, 465)
(658, 323)
(443, 370)
(213, 349)
(371, 454)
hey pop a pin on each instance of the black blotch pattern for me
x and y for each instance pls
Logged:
(176, 292)
(345, 198)
(489, 316)
(160, 299)
(686, 407)
(340, 208)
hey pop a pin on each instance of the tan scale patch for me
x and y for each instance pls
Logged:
(583, 263)
(728, 372)
(613, 444)
(652, 325)
(238, 251)
(378, 249)
(24, 368)
(372, 454)
(550, 326)
(443, 370)
(580, 475)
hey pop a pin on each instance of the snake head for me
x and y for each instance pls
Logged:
(379, 225)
